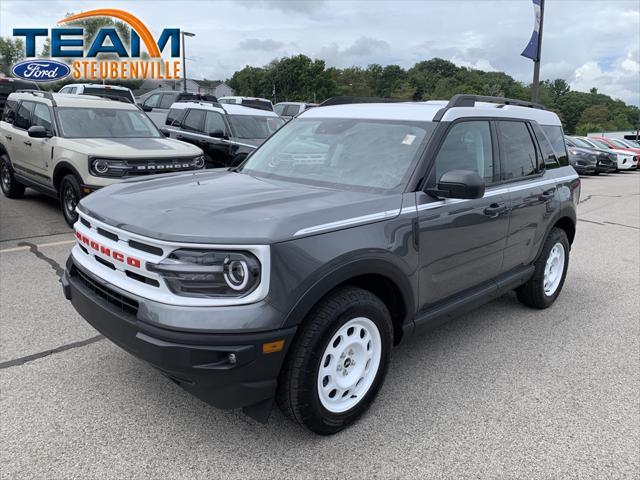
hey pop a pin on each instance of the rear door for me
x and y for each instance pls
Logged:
(462, 241)
(217, 151)
(192, 127)
(21, 152)
(532, 191)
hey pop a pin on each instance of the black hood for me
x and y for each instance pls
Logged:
(219, 206)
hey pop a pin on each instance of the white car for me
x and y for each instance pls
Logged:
(252, 102)
(113, 92)
(288, 110)
(626, 160)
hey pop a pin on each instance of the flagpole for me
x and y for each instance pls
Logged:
(535, 88)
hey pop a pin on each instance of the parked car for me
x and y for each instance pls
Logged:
(10, 85)
(252, 102)
(292, 279)
(587, 159)
(68, 146)
(625, 159)
(227, 133)
(288, 110)
(157, 105)
(616, 143)
(114, 92)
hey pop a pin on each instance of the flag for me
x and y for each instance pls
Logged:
(531, 51)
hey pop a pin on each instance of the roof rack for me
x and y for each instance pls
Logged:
(44, 93)
(347, 99)
(464, 100)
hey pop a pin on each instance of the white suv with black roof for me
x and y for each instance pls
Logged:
(67, 146)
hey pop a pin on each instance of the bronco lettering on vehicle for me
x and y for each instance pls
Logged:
(118, 256)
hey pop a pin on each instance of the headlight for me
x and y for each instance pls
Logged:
(578, 153)
(208, 273)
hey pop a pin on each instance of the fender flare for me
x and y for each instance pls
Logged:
(342, 272)
(64, 164)
(564, 212)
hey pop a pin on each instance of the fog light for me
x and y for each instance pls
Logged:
(232, 358)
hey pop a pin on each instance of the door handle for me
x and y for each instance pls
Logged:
(547, 195)
(27, 143)
(495, 209)
(8, 137)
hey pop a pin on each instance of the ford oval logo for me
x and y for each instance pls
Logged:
(41, 70)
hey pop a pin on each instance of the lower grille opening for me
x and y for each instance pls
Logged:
(145, 248)
(108, 234)
(122, 302)
(104, 262)
(85, 223)
(142, 278)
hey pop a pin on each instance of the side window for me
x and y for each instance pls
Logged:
(194, 121)
(214, 124)
(23, 116)
(152, 101)
(556, 137)
(279, 109)
(64, 90)
(42, 117)
(9, 113)
(168, 99)
(519, 152)
(72, 90)
(468, 147)
(174, 116)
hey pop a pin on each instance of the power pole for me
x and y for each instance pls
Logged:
(184, 59)
(535, 88)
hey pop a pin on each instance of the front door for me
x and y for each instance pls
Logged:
(462, 242)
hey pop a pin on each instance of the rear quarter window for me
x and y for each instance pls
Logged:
(556, 138)
(8, 114)
(174, 116)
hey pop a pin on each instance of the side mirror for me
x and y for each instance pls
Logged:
(146, 108)
(464, 184)
(165, 132)
(37, 131)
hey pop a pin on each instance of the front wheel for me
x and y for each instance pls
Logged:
(69, 198)
(11, 188)
(339, 361)
(545, 285)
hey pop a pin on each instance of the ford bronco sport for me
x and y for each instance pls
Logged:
(67, 146)
(291, 277)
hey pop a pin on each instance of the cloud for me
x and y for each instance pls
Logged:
(365, 46)
(297, 6)
(266, 45)
(362, 51)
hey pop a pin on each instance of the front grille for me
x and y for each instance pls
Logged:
(122, 302)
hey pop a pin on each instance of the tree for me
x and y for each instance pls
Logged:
(11, 51)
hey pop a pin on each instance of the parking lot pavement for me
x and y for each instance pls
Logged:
(503, 392)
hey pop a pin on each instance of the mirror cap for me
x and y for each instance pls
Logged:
(463, 184)
(37, 131)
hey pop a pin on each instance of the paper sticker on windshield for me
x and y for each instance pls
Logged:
(408, 139)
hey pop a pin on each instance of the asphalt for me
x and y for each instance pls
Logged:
(504, 392)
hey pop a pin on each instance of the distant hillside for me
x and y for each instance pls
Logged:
(303, 79)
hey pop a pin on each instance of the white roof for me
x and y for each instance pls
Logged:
(228, 108)
(425, 111)
(96, 85)
(70, 100)
(232, 97)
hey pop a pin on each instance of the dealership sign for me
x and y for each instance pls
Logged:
(41, 70)
(139, 58)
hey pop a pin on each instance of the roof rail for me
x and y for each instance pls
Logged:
(44, 93)
(348, 99)
(464, 100)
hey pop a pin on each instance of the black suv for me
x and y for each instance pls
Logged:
(157, 105)
(226, 133)
(10, 85)
(292, 277)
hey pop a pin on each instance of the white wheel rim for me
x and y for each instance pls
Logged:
(553, 269)
(349, 365)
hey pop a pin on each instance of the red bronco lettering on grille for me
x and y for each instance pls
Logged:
(117, 256)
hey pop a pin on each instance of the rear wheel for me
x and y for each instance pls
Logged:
(338, 363)
(11, 188)
(550, 271)
(69, 197)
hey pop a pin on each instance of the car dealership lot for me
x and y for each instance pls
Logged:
(503, 392)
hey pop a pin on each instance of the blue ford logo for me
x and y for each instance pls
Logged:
(41, 70)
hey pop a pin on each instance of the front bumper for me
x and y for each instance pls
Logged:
(226, 370)
(585, 169)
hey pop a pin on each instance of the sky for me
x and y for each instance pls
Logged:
(589, 43)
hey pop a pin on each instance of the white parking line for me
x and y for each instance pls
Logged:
(51, 244)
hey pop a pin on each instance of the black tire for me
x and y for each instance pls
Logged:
(11, 188)
(533, 293)
(298, 395)
(69, 195)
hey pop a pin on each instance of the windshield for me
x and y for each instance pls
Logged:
(581, 143)
(357, 154)
(249, 126)
(105, 123)
(620, 143)
(109, 93)
(600, 144)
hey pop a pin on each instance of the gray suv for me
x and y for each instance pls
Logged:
(291, 277)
